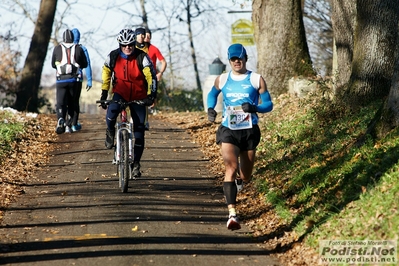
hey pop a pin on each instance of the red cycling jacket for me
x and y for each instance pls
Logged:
(133, 77)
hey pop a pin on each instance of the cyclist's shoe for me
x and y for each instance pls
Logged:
(60, 126)
(239, 184)
(136, 169)
(68, 129)
(109, 138)
(233, 223)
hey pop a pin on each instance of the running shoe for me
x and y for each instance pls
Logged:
(233, 223)
(239, 184)
(75, 128)
(60, 126)
(68, 129)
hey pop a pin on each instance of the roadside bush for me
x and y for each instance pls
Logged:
(180, 100)
(9, 71)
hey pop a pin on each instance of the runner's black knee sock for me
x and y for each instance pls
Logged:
(230, 192)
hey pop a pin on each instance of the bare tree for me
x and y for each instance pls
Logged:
(389, 117)
(169, 16)
(365, 43)
(167, 10)
(144, 14)
(27, 92)
(193, 9)
(374, 46)
(281, 42)
(319, 33)
(343, 21)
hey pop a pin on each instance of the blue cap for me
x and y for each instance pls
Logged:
(236, 50)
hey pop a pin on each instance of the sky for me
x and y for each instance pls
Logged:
(100, 21)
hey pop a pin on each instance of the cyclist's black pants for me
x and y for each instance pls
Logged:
(138, 113)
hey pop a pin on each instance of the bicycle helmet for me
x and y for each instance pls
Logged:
(126, 36)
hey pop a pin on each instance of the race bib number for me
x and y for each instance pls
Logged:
(237, 118)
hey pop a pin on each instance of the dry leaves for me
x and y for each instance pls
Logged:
(29, 153)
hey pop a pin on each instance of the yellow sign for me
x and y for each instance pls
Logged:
(242, 31)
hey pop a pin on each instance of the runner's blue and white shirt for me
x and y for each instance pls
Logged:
(238, 89)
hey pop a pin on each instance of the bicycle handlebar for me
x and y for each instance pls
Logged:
(122, 102)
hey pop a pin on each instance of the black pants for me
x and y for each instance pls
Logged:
(73, 106)
(65, 93)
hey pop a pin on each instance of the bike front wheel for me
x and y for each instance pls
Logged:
(124, 163)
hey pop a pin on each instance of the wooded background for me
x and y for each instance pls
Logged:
(355, 42)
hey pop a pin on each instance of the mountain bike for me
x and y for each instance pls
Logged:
(124, 148)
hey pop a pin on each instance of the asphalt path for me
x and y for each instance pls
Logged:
(75, 214)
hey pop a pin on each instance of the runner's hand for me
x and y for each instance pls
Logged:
(211, 114)
(249, 108)
(88, 87)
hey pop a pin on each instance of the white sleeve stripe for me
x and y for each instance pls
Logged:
(146, 61)
(255, 80)
(222, 80)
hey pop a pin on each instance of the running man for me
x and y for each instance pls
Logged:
(239, 133)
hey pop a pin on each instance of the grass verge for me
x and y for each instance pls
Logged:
(10, 129)
(320, 181)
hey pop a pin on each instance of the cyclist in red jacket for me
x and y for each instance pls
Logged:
(132, 76)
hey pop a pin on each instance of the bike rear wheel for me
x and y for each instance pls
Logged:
(124, 163)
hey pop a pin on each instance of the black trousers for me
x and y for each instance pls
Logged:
(65, 93)
(73, 106)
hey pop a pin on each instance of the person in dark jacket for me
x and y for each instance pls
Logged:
(133, 77)
(74, 108)
(68, 58)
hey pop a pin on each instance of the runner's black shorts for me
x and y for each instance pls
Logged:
(245, 139)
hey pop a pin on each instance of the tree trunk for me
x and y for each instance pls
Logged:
(27, 94)
(144, 14)
(389, 118)
(343, 23)
(281, 42)
(375, 39)
(191, 40)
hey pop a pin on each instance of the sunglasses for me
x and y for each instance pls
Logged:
(235, 58)
(130, 45)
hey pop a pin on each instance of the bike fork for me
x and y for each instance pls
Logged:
(117, 147)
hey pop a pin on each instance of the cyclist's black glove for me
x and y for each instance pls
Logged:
(104, 96)
(212, 114)
(148, 101)
(249, 108)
